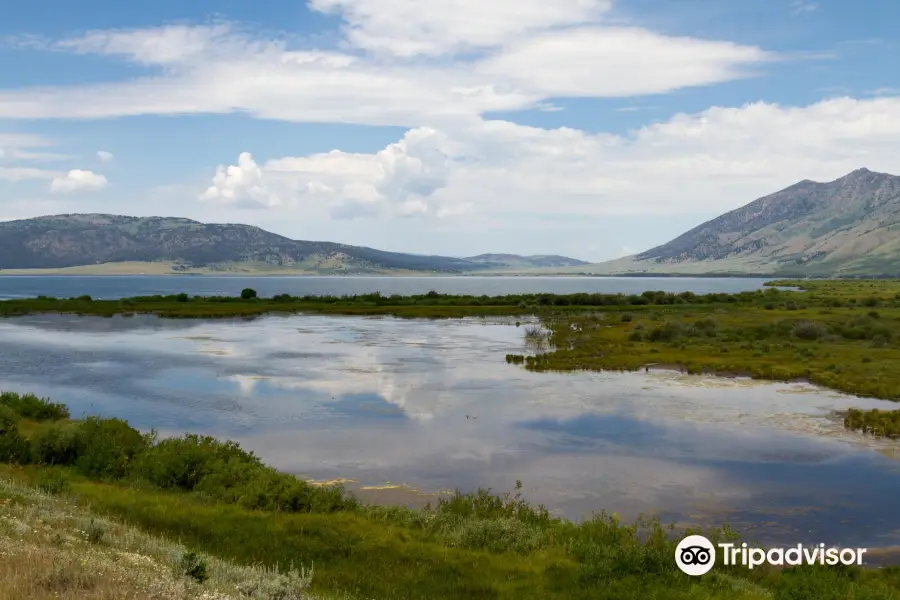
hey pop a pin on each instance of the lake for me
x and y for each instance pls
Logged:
(121, 286)
(434, 405)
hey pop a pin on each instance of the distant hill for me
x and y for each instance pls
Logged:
(849, 226)
(500, 261)
(78, 240)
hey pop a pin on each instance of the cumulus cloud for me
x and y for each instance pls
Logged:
(528, 60)
(104, 156)
(240, 183)
(76, 180)
(398, 178)
(693, 163)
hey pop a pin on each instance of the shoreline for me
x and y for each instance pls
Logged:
(22, 273)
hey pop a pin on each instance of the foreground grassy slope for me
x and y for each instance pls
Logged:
(51, 547)
(222, 503)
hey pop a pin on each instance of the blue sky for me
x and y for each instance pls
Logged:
(591, 128)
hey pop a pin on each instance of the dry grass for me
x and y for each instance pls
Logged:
(51, 548)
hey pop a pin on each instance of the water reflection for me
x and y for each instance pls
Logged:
(433, 404)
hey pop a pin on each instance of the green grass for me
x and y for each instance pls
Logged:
(880, 423)
(843, 335)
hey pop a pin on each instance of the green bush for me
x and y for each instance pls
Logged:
(809, 330)
(29, 406)
(56, 445)
(192, 565)
(248, 294)
(105, 447)
(13, 448)
(183, 462)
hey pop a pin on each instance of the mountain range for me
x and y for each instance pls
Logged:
(849, 226)
(163, 244)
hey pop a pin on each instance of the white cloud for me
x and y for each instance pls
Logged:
(21, 147)
(240, 183)
(398, 178)
(15, 174)
(609, 62)
(104, 156)
(77, 179)
(708, 162)
(220, 70)
(404, 28)
(156, 46)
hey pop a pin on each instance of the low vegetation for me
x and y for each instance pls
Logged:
(880, 423)
(90, 519)
(430, 305)
(844, 335)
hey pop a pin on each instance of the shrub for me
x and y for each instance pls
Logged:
(105, 447)
(670, 331)
(272, 584)
(248, 294)
(190, 564)
(181, 463)
(626, 318)
(94, 531)
(706, 327)
(13, 448)
(809, 330)
(29, 406)
(182, 297)
(56, 445)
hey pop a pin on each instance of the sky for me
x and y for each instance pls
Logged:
(588, 128)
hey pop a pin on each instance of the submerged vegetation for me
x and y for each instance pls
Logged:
(228, 510)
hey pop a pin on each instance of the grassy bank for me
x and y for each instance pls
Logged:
(841, 335)
(228, 509)
(430, 305)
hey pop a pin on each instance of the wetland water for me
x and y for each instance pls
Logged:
(381, 400)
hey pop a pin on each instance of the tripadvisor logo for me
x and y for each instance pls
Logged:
(696, 555)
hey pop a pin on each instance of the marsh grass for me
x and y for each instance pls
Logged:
(880, 423)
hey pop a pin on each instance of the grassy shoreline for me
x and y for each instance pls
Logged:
(231, 510)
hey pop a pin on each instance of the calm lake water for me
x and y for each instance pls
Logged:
(434, 405)
(26, 286)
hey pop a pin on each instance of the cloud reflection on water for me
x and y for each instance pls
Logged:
(434, 404)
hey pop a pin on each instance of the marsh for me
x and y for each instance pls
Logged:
(435, 405)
